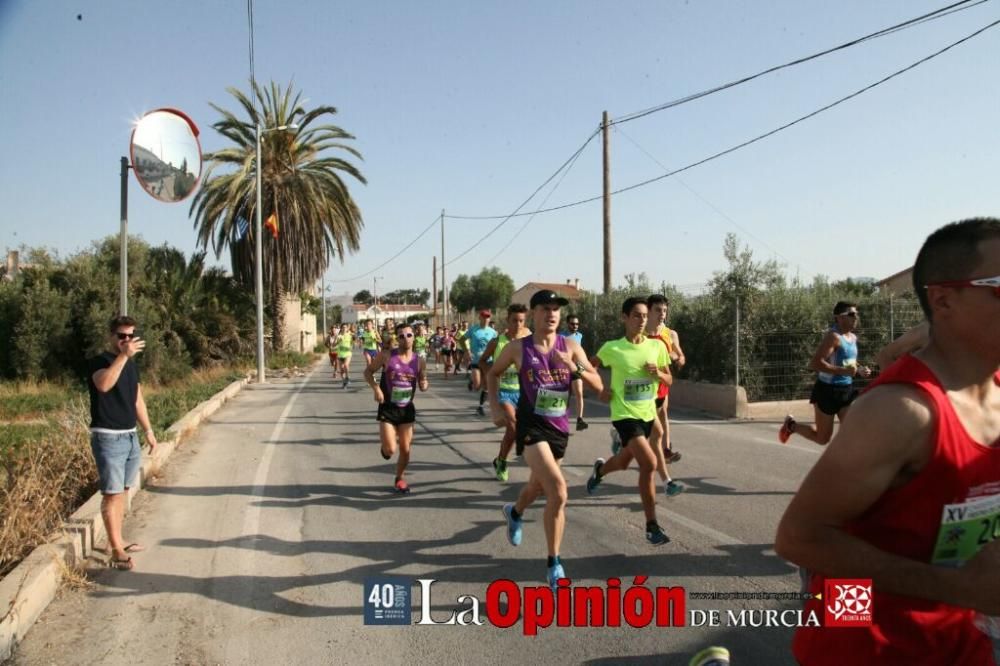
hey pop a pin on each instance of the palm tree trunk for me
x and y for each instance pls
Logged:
(278, 305)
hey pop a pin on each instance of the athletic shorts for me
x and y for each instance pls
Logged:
(508, 396)
(118, 457)
(532, 429)
(631, 428)
(659, 402)
(371, 353)
(389, 412)
(831, 398)
(446, 352)
(333, 357)
(345, 357)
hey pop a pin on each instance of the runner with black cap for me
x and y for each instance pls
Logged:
(404, 372)
(547, 363)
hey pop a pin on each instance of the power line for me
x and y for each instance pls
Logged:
(395, 256)
(496, 228)
(532, 217)
(700, 197)
(750, 141)
(939, 13)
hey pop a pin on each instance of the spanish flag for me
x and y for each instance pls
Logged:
(272, 224)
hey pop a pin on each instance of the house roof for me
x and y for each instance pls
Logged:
(895, 275)
(567, 290)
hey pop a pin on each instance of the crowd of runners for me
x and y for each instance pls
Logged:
(921, 447)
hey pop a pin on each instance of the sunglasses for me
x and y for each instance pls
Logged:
(127, 336)
(990, 283)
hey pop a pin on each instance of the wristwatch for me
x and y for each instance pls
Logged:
(579, 370)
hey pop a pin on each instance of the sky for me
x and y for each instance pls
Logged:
(468, 107)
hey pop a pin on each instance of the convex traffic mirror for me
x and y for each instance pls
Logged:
(166, 155)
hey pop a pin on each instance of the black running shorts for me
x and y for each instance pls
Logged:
(831, 398)
(532, 429)
(392, 413)
(631, 428)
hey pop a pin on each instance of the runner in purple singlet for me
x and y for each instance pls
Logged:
(404, 372)
(547, 363)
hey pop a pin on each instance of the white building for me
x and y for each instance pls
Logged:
(359, 312)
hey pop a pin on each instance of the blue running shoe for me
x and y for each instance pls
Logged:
(655, 535)
(513, 526)
(554, 574)
(616, 441)
(672, 488)
(595, 477)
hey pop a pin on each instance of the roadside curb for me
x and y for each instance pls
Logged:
(26, 591)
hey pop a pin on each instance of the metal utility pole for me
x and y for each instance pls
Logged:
(607, 205)
(259, 266)
(434, 282)
(444, 282)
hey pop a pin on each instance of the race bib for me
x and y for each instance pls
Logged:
(965, 528)
(401, 395)
(639, 389)
(551, 403)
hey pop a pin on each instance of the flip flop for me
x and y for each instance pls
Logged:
(134, 548)
(121, 565)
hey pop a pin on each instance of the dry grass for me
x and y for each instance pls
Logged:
(47, 477)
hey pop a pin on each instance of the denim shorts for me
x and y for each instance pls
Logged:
(118, 457)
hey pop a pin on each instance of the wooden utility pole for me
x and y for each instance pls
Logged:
(607, 205)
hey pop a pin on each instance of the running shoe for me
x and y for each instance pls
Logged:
(480, 411)
(787, 428)
(553, 575)
(655, 535)
(670, 455)
(581, 424)
(671, 488)
(595, 477)
(385, 456)
(500, 467)
(616, 441)
(401, 487)
(712, 656)
(343, 384)
(513, 526)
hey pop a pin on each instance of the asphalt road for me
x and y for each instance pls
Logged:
(264, 526)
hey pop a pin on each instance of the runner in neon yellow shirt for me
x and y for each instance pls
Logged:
(638, 365)
(345, 346)
(370, 341)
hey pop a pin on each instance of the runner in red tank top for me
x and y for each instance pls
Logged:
(889, 499)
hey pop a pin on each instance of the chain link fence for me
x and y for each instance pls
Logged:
(763, 341)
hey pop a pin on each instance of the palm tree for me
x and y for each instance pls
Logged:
(302, 184)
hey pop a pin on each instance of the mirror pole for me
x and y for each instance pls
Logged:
(259, 270)
(123, 298)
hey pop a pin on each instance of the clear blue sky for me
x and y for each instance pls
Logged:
(469, 106)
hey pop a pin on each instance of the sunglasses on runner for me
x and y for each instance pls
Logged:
(127, 336)
(990, 283)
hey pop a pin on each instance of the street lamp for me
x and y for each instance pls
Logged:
(259, 253)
